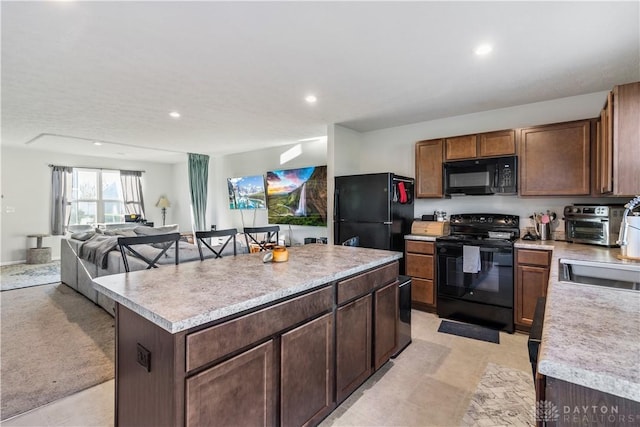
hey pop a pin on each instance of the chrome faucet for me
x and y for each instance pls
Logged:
(630, 206)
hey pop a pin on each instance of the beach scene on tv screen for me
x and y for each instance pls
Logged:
(298, 196)
(247, 192)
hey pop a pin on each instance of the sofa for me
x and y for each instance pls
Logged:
(79, 266)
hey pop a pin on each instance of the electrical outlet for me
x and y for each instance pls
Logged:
(144, 357)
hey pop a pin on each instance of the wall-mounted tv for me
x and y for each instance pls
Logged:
(298, 196)
(247, 192)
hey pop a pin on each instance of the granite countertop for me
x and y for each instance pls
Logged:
(591, 333)
(179, 297)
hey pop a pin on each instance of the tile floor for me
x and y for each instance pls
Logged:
(429, 384)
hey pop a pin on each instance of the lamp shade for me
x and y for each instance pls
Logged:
(163, 202)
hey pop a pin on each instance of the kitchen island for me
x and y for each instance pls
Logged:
(236, 341)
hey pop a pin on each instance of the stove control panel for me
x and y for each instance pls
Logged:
(494, 220)
(593, 211)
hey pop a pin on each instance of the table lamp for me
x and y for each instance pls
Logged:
(163, 204)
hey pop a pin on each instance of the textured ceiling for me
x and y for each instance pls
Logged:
(75, 72)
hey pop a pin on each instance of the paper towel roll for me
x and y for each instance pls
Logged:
(633, 236)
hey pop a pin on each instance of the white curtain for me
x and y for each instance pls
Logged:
(132, 192)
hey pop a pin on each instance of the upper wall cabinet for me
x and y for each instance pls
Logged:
(555, 159)
(429, 168)
(490, 144)
(618, 143)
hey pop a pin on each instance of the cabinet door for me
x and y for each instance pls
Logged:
(429, 168)
(555, 159)
(626, 139)
(307, 373)
(531, 283)
(239, 391)
(460, 147)
(353, 346)
(423, 291)
(499, 143)
(604, 153)
(385, 323)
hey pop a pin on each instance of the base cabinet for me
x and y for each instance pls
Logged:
(306, 373)
(385, 324)
(353, 346)
(420, 265)
(532, 278)
(243, 387)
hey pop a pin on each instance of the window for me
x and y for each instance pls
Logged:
(96, 197)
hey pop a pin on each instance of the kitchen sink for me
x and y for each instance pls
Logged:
(612, 275)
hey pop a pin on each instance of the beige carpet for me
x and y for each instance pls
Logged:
(54, 342)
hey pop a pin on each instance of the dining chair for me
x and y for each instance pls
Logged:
(354, 241)
(161, 241)
(251, 236)
(203, 236)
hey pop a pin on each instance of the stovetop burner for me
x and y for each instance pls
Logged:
(483, 229)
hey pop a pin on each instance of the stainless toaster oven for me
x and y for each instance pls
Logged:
(593, 224)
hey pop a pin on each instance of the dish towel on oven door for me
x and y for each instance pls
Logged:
(470, 259)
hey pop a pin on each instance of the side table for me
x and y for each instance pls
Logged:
(38, 255)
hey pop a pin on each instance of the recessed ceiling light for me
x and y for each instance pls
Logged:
(483, 49)
(175, 114)
(97, 143)
(311, 99)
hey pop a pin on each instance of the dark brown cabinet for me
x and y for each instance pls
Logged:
(353, 346)
(429, 168)
(460, 147)
(243, 387)
(532, 278)
(489, 144)
(306, 373)
(555, 159)
(385, 323)
(366, 326)
(618, 148)
(420, 265)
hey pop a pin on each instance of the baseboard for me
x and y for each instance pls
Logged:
(23, 261)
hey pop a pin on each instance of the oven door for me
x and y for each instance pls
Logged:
(493, 284)
(587, 231)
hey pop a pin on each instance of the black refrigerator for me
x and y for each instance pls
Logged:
(376, 208)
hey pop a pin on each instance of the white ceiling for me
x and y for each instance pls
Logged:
(75, 72)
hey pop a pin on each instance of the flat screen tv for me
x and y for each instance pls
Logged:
(297, 196)
(247, 192)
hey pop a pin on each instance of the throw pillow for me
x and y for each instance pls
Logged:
(83, 235)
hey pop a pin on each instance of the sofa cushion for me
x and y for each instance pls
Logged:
(120, 232)
(153, 231)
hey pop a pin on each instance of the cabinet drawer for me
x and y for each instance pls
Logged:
(366, 282)
(210, 344)
(422, 291)
(420, 266)
(419, 247)
(533, 257)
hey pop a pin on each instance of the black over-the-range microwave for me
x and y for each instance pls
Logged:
(496, 175)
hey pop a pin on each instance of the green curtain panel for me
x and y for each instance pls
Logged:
(198, 177)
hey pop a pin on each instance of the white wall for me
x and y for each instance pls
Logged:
(259, 162)
(393, 150)
(26, 195)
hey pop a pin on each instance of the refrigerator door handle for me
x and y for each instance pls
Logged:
(336, 204)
